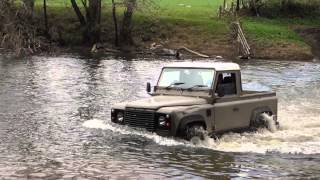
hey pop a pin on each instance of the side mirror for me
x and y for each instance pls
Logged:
(148, 87)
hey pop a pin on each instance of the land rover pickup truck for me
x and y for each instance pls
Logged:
(193, 98)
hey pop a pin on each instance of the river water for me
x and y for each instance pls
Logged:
(55, 124)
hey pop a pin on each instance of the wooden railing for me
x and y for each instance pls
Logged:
(238, 35)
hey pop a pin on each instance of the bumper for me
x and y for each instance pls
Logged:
(165, 133)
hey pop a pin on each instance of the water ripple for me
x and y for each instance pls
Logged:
(55, 124)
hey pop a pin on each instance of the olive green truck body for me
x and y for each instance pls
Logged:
(209, 95)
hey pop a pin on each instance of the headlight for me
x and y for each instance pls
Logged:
(120, 117)
(117, 116)
(164, 121)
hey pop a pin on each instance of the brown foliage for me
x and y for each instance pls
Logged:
(17, 31)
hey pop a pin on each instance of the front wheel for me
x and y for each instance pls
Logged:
(195, 133)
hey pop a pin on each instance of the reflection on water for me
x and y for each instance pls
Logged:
(54, 123)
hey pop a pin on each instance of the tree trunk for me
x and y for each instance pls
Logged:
(114, 15)
(45, 18)
(254, 8)
(284, 5)
(76, 9)
(94, 11)
(238, 5)
(99, 10)
(125, 33)
(244, 4)
(93, 22)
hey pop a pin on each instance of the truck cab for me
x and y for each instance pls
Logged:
(193, 98)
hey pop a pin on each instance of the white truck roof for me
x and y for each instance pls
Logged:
(218, 66)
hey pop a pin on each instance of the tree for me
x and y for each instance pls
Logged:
(91, 21)
(45, 18)
(238, 5)
(77, 10)
(115, 22)
(29, 6)
(255, 6)
(126, 28)
(18, 31)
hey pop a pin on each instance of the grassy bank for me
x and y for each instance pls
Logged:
(193, 23)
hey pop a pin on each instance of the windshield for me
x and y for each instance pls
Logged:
(186, 78)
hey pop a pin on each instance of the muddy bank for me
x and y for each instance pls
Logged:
(222, 47)
(283, 52)
(288, 52)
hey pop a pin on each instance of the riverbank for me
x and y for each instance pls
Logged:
(193, 24)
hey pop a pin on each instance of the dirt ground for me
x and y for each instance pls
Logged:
(225, 47)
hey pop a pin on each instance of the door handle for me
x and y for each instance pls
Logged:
(235, 109)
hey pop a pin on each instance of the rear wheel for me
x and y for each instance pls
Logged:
(266, 120)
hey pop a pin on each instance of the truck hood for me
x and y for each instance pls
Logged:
(157, 102)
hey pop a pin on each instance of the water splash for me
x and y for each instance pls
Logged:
(270, 122)
(99, 124)
(285, 140)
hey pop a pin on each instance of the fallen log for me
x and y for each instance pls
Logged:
(101, 48)
(192, 52)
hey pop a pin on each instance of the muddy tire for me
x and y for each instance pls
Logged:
(260, 122)
(265, 120)
(195, 133)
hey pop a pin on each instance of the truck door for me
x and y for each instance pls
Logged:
(227, 110)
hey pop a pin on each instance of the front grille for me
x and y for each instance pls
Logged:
(140, 118)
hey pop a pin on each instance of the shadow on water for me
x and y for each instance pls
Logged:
(45, 102)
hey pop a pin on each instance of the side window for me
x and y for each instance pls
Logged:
(226, 84)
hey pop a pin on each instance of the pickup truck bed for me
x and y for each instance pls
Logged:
(240, 112)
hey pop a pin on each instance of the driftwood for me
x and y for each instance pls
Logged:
(190, 51)
(100, 48)
(155, 49)
(159, 50)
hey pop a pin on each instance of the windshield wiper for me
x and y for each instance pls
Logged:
(175, 84)
(196, 86)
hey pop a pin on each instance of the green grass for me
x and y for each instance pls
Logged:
(265, 30)
(189, 9)
(199, 18)
(199, 14)
(182, 9)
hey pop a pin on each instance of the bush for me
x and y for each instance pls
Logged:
(17, 29)
(290, 8)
